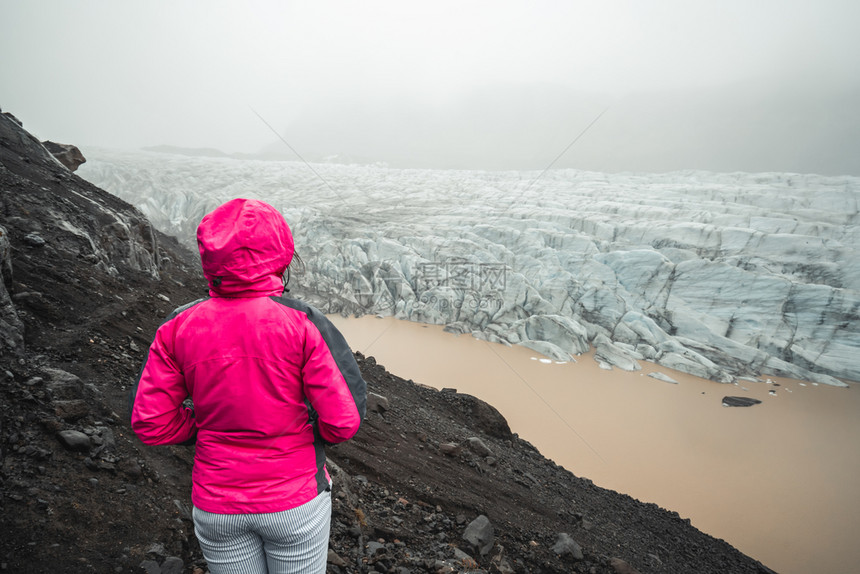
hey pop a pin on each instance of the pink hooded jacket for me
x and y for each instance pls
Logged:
(271, 379)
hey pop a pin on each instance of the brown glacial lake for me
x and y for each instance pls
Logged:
(777, 480)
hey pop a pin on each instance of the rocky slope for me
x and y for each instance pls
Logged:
(434, 482)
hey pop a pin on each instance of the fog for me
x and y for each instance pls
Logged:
(749, 86)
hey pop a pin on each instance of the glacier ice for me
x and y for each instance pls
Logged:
(721, 275)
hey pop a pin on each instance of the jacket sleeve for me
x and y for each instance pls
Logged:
(157, 413)
(332, 381)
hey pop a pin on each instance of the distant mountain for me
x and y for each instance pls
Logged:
(189, 151)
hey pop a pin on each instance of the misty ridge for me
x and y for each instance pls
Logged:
(738, 127)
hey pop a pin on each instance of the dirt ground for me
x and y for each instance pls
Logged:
(422, 470)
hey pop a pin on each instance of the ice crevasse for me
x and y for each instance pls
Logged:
(721, 275)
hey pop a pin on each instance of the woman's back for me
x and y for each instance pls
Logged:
(270, 378)
(271, 381)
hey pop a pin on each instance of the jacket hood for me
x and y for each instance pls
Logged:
(245, 247)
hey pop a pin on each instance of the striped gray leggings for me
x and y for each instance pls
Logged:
(293, 541)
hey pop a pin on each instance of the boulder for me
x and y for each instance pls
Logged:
(478, 446)
(740, 401)
(172, 565)
(13, 118)
(74, 440)
(334, 559)
(567, 546)
(67, 154)
(480, 535)
(620, 566)
(487, 418)
(64, 386)
(71, 410)
(376, 403)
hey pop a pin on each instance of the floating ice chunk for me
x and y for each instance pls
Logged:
(546, 361)
(662, 377)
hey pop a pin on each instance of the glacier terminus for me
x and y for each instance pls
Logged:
(722, 275)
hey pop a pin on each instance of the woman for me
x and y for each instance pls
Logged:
(271, 381)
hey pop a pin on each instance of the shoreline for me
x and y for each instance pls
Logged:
(732, 471)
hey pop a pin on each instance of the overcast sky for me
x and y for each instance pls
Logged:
(751, 85)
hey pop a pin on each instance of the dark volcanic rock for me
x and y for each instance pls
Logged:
(740, 401)
(480, 535)
(478, 446)
(74, 440)
(172, 565)
(488, 419)
(376, 403)
(71, 410)
(622, 567)
(63, 384)
(565, 545)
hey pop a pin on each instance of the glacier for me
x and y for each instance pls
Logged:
(721, 275)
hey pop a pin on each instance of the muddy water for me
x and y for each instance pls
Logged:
(778, 480)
